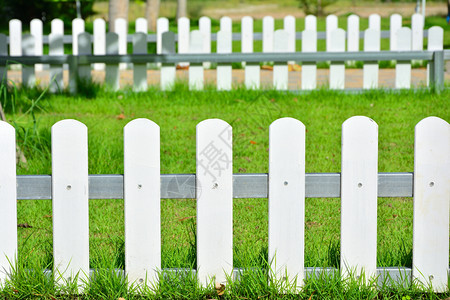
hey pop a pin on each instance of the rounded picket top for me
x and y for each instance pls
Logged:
(141, 124)
(432, 129)
(361, 128)
(226, 24)
(435, 38)
(68, 125)
(6, 128)
(212, 123)
(288, 125)
(57, 26)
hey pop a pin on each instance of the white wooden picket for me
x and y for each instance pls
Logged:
(204, 26)
(359, 187)
(287, 200)
(370, 69)
(141, 25)
(311, 22)
(15, 40)
(99, 37)
(435, 43)
(167, 80)
(289, 27)
(403, 68)
(267, 32)
(375, 22)
(57, 26)
(77, 28)
(309, 69)
(353, 33)
(226, 24)
(214, 193)
(142, 202)
(56, 47)
(431, 203)
(28, 74)
(196, 69)
(84, 48)
(280, 70)
(70, 207)
(8, 202)
(331, 23)
(337, 69)
(3, 51)
(224, 71)
(140, 70)
(394, 25)
(252, 70)
(183, 37)
(162, 25)
(36, 30)
(112, 70)
(417, 24)
(121, 28)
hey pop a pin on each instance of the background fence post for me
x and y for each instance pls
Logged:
(183, 35)
(77, 28)
(84, 48)
(403, 68)
(204, 26)
(141, 25)
(431, 203)
(8, 201)
(353, 33)
(331, 25)
(370, 69)
(167, 70)
(289, 27)
(3, 52)
(309, 69)
(359, 189)
(224, 71)
(280, 70)
(435, 43)
(99, 41)
(112, 70)
(162, 25)
(120, 27)
(72, 61)
(226, 24)
(375, 22)
(36, 31)
(311, 22)
(287, 200)
(28, 74)
(438, 70)
(142, 201)
(15, 41)
(337, 69)
(267, 32)
(394, 25)
(70, 202)
(140, 70)
(214, 192)
(252, 70)
(196, 77)
(56, 47)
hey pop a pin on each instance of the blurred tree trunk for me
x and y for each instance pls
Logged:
(319, 8)
(151, 13)
(117, 9)
(181, 8)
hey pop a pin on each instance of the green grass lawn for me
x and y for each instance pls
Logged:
(250, 113)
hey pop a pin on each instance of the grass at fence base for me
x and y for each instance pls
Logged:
(250, 113)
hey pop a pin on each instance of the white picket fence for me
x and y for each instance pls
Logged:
(359, 188)
(199, 42)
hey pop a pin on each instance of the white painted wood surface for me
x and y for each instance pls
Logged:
(287, 200)
(204, 25)
(331, 23)
(112, 70)
(268, 30)
(370, 69)
(252, 70)
(375, 22)
(289, 27)
(224, 71)
(36, 30)
(70, 206)
(167, 70)
(196, 69)
(311, 22)
(280, 70)
(309, 69)
(162, 25)
(403, 68)
(28, 74)
(359, 187)
(99, 38)
(431, 203)
(121, 28)
(142, 201)
(214, 201)
(8, 201)
(141, 25)
(57, 26)
(3, 52)
(84, 48)
(15, 41)
(417, 25)
(56, 47)
(337, 69)
(226, 24)
(394, 25)
(435, 43)
(353, 33)
(140, 70)
(77, 28)
(183, 37)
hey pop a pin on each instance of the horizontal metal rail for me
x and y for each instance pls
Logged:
(257, 36)
(182, 186)
(225, 58)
